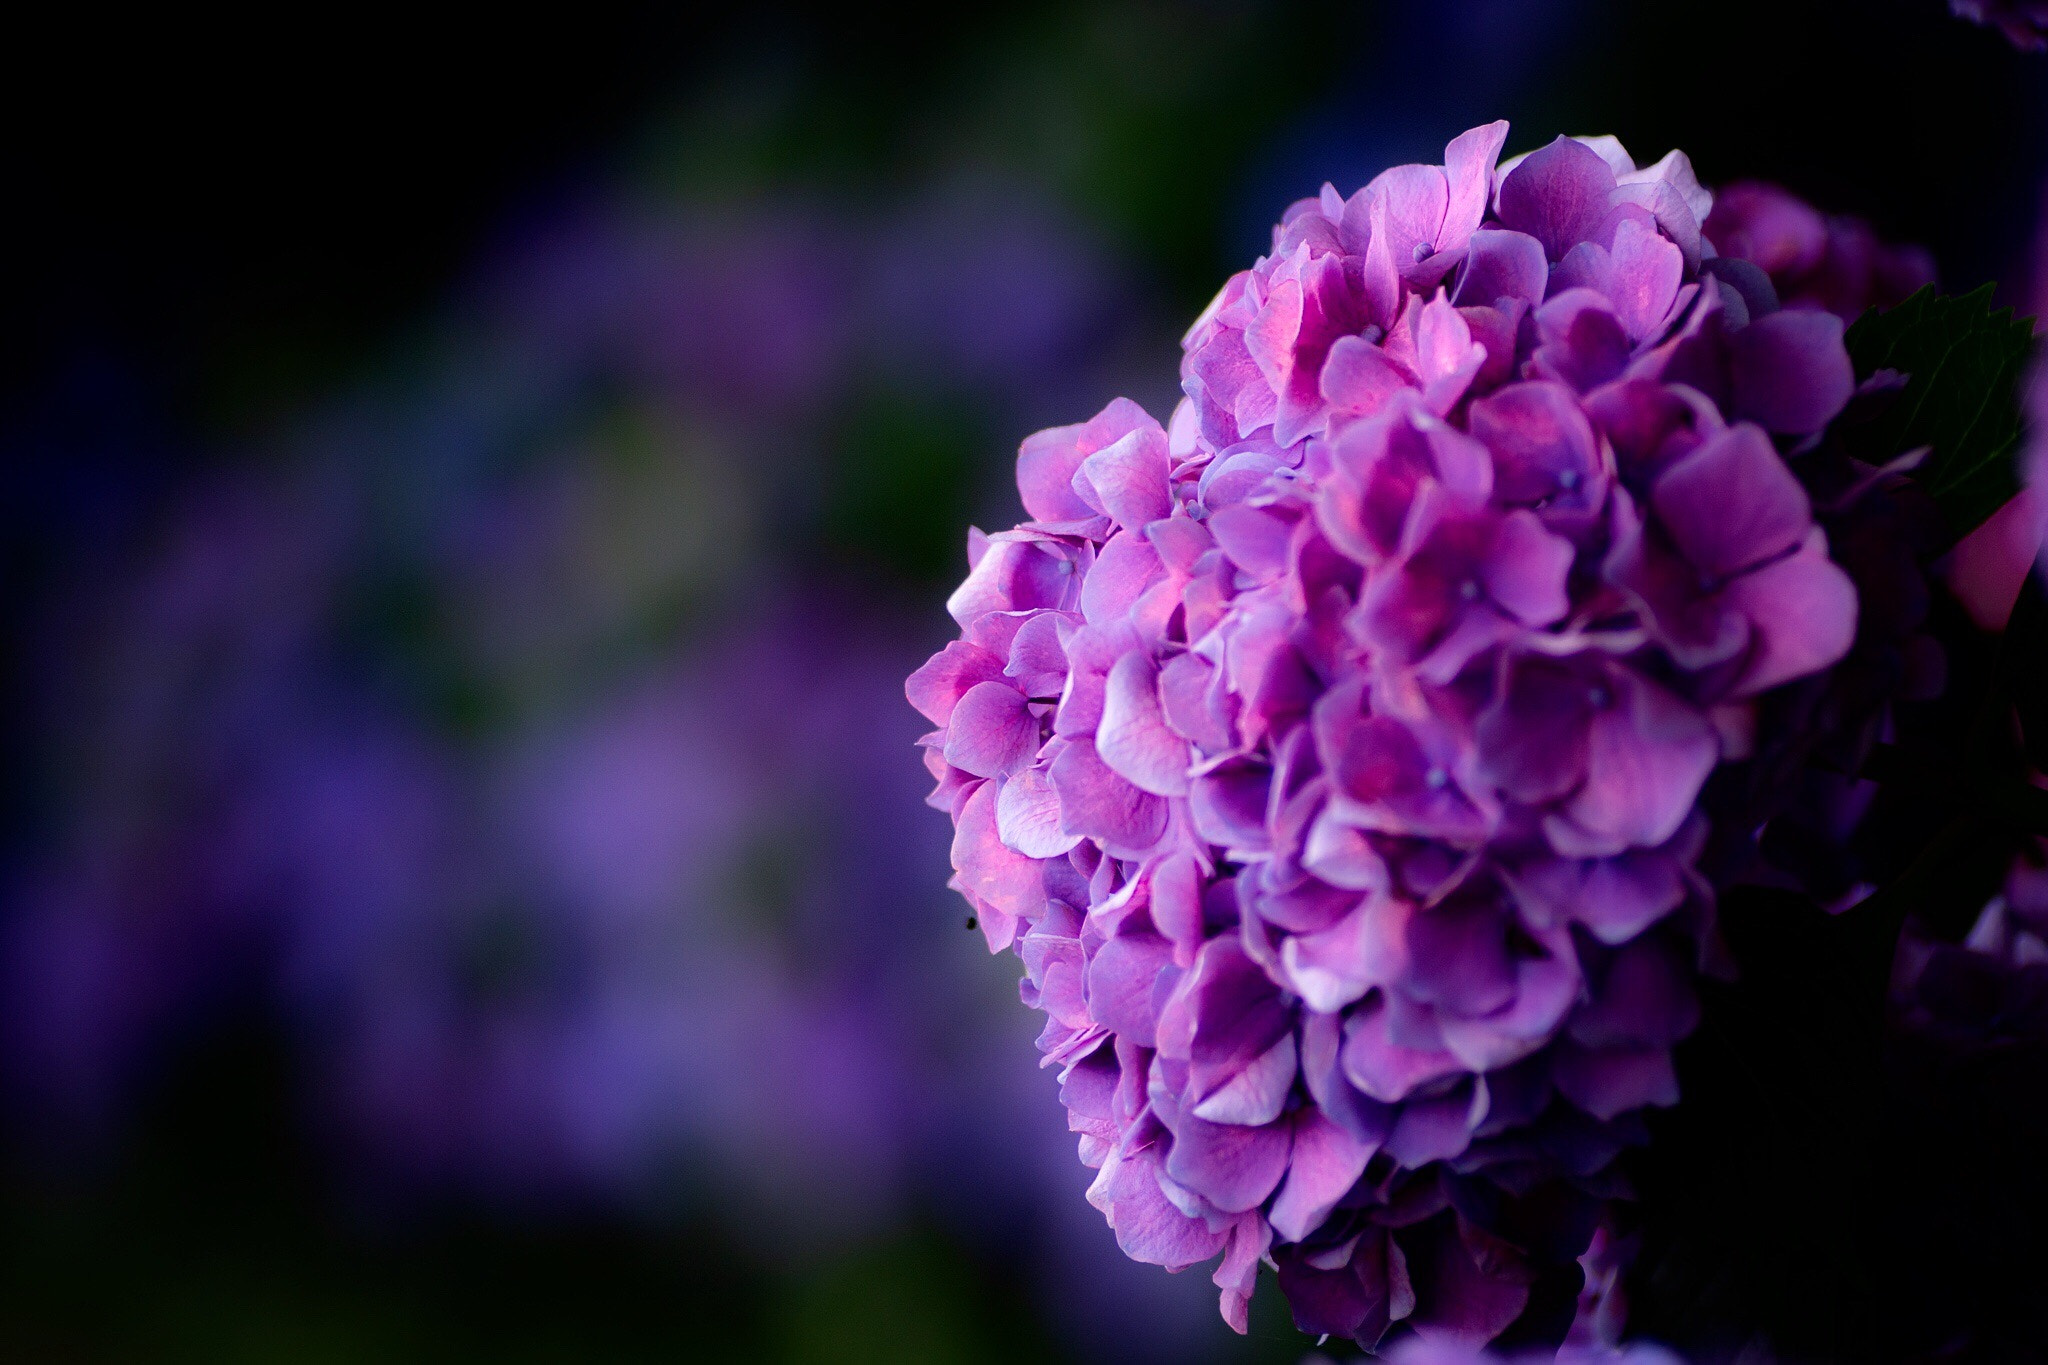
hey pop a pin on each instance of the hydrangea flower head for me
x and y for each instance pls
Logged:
(1333, 754)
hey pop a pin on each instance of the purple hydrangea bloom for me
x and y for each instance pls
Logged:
(1813, 260)
(1418, 1352)
(2023, 22)
(1332, 755)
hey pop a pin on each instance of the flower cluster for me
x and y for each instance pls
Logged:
(1333, 755)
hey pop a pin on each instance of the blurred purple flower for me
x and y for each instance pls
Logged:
(2023, 22)
(1813, 260)
(1332, 756)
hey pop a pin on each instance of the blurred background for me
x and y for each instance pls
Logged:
(469, 498)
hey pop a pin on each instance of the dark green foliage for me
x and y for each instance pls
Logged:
(1963, 361)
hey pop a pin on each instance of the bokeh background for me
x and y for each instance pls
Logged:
(469, 499)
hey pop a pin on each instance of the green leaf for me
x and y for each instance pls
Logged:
(1963, 361)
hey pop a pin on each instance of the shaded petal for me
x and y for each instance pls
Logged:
(1732, 504)
(1326, 1162)
(1128, 480)
(1646, 759)
(1802, 614)
(1028, 816)
(1097, 803)
(1790, 371)
(1503, 265)
(937, 687)
(987, 868)
(1557, 194)
(1134, 738)
(1148, 1227)
(992, 732)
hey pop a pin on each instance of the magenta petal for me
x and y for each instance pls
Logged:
(1789, 371)
(1802, 613)
(1326, 1162)
(1028, 816)
(992, 732)
(1097, 803)
(1647, 756)
(1732, 504)
(949, 675)
(1359, 377)
(1125, 569)
(1558, 195)
(1503, 265)
(1148, 1227)
(1231, 1166)
(1469, 159)
(1129, 479)
(1134, 738)
(996, 874)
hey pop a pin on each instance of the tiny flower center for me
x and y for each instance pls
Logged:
(1469, 590)
(1568, 479)
(1600, 698)
(1063, 566)
(1421, 252)
(1436, 779)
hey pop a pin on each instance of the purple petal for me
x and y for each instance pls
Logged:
(1732, 504)
(1028, 816)
(1123, 979)
(1544, 450)
(1789, 371)
(1558, 195)
(1124, 570)
(1148, 1227)
(1645, 274)
(1503, 265)
(1231, 1166)
(1802, 613)
(1647, 755)
(1382, 1068)
(1611, 1081)
(1128, 480)
(1134, 738)
(1326, 1162)
(1469, 159)
(988, 869)
(992, 732)
(1584, 343)
(1038, 654)
(949, 675)
(1360, 378)
(1255, 1093)
(1098, 804)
